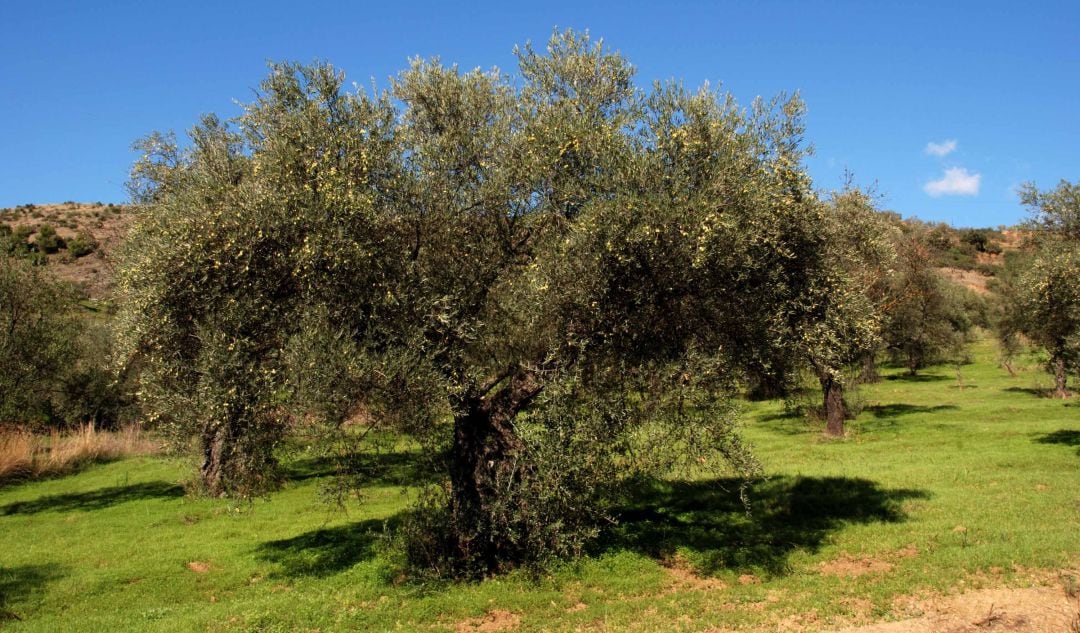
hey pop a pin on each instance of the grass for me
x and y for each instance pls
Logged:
(936, 489)
(26, 455)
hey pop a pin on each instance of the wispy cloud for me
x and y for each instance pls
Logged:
(957, 181)
(943, 148)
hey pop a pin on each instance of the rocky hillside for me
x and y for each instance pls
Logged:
(75, 240)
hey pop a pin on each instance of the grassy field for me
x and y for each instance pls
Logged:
(938, 488)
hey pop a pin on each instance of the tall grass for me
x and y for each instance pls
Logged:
(25, 455)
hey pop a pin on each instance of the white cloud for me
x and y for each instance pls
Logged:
(943, 148)
(957, 181)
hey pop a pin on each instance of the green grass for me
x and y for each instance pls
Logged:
(936, 488)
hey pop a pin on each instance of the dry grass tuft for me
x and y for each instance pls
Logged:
(26, 455)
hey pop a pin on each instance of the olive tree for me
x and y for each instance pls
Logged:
(552, 283)
(37, 340)
(1042, 300)
(926, 320)
(839, 321)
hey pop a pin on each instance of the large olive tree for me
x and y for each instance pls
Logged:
(552, 282)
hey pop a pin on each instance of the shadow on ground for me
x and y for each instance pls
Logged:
(708, 522)
(789, 423)
(22, 582)
(387, 468)
(1068, 437)
(326, 551)
(905, 377)
(889, 411)
(95, 499)
(1038, 392)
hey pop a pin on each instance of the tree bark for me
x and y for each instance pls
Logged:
(483, 467)
(1060, 378)
(869, 372)
(833, 393)
(213, 466)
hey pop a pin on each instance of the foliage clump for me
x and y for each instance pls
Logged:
(53, 364)
(83, 244)
(929, 317)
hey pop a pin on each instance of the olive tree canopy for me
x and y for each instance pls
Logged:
(1042, 300)
(552, 282)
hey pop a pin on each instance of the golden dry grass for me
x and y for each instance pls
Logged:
(24, 454)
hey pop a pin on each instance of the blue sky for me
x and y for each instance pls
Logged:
(994, 86)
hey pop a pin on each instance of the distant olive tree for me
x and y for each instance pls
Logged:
(553, 284)
(37, 340)
(926, 319)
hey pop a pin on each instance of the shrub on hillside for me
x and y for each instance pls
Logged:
(47, 239)
(82, 244)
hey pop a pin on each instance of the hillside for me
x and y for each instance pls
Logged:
(960, 260)
(106, 224)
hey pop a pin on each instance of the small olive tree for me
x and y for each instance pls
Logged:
(553, 285)
(926, 319)
(1042, 300)
(839, 321)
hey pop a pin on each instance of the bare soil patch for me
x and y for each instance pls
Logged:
(968, 278)
(1031, 610)
(848, 566)
(853, 567)
(684, 578)
(493, 621)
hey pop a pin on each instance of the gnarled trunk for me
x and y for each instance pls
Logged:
(238, 458)
(1060, 378)
(214, 447)
(833, 392)
(483, 468)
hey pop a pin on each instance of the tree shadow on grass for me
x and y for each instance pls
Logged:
(326, 551)
(19, 583)
(388, 468)
(917, 378)
(95, 499)
(788, 423)
(707, 521)
(888, 411)
(1032, 391)
(1068, 437)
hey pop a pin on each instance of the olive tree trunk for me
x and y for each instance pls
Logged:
(1060, 378)
(869, 372)
(484, 467)
(214, 448)
(833, 406)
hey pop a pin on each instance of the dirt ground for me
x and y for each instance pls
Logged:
(968, 278)
(1034, 610)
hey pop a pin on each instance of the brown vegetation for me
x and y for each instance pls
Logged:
(24, 454)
